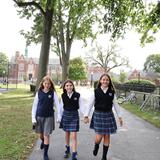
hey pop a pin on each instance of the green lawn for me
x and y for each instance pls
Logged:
(17, 138)
(150, 116)
(16, 135)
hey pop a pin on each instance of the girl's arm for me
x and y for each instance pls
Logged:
(117, 109)
(89, 104)
(58, 107)
(34, 108)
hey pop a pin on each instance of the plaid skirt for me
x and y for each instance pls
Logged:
(103, 122)
(70, 121)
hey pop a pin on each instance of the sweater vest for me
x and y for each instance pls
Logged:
(71, 104)
(45, 104)
(103, 101)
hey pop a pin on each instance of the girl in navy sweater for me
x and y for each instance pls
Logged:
(70, 101)
(43, 112)
(103, 120)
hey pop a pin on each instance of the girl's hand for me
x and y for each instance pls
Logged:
(86, 120)
(120, 121)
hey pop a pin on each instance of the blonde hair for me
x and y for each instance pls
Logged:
(47, 78)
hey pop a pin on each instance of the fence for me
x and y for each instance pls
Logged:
(145, 100)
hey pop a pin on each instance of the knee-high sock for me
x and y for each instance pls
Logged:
(95, 150)
(46, 146)
(105, 150)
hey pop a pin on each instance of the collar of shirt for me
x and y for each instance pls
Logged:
(70, 94)
(104, 89)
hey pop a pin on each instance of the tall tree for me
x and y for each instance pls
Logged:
(72, 20)
(152, 63)
(77, 69)
(108, 59)
(38, 8)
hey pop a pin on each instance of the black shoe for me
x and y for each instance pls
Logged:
(42, 145)
(46, 157)
(104, 159)
(96, 148)
(74, 156)
(66, 154)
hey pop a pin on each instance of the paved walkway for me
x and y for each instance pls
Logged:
(136, 140)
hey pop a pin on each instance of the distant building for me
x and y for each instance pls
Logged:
(134, 75)
(23, 68)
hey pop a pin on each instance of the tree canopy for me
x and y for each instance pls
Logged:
(120, 16)
(74, 20)
(147, 22)
(152, 63)
(77, 69)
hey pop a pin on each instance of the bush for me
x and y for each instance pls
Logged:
(135, 85)
(95, 84)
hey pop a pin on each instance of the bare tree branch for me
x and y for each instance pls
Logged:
(106, 56)
(32, 3)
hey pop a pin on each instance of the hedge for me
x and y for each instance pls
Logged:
(135, 85)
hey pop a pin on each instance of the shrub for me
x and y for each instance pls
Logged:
(95, 84)
(135, 85)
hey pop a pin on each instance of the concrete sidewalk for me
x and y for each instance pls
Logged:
(136, 140)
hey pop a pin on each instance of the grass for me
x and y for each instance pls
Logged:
(16, 136)
(151, 116)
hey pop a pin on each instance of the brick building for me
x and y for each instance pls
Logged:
(22, 68)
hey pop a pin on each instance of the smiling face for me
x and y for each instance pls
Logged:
(68, 87)
(105, 81)
(46, 85)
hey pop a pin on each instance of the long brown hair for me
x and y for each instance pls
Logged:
(68, 81)
(110, 86)
(47, 78)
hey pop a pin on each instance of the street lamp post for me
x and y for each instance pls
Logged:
(139, 76)
(16, 75)
(3, 75)
(91, 79)
(8, 67)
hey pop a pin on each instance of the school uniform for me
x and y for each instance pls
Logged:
(103, 120)
(43, 111)
(70, 116)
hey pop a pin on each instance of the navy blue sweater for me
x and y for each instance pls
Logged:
(45, 104)
(103, 101)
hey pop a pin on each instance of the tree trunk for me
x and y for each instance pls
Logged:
(65, 70)
(45, 47)
(65, 62)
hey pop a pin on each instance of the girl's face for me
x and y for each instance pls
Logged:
(46, 85)
(68, 87)
(104, 81)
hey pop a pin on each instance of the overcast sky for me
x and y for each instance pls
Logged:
(11, 40)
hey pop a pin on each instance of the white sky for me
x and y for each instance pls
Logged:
(11, 40)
